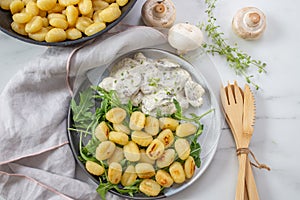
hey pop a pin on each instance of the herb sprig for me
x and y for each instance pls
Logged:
(238, 60)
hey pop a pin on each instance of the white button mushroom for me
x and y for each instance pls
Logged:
(185, 37)
(249, 23)
(159, 13)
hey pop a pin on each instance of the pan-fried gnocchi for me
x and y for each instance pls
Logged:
(151, 125)
(86, 16)
(118, 137)
(185, 129)
(136, 150)
(114, 174)
(137, 121)
(149, 187)
(141, 138)
(182, 147)
(166, 159)
(101, 131)
(129, 176)
(166, 137)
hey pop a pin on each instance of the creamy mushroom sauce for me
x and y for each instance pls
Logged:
(153, 84)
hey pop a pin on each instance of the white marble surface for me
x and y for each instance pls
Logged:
(276, 136)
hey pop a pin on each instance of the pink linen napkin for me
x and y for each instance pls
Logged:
(36, 161)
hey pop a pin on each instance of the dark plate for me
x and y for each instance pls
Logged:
(6, 20)
(212, 122)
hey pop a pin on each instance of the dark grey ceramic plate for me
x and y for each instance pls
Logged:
(212, 122)
(6, 20)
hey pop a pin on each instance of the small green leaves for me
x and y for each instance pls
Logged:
(238, 60)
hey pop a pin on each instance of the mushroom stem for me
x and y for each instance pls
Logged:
(159, 10)
(252, 19)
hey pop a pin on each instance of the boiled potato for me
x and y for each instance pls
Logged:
(168, 123)
(177, 172)
(101, 131)
(149, 187)
(185, 129)
(144, 170)
(114, 174)
(166, 159)
(118, 137)
(189, 167)
(166, 137)
(182, 147)
(151, 125)
(163, 178)
(155, 149)
(141, 138)
(137, 121)
(115, 115)
(105, 150)
(94, 168)
(131, 151)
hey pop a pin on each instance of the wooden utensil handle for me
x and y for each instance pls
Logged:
(250, 182)
(240, 187)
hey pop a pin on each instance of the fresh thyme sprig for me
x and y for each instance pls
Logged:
(237, 59)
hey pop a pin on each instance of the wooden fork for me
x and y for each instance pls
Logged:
(232, 100)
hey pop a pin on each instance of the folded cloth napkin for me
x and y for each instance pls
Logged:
(36, 161)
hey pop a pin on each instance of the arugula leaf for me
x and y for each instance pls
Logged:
(103, 188)
(82, 113)
(92, 145)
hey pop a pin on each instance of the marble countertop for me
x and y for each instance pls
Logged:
(276, 136)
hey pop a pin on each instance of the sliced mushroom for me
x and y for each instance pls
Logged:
(159, 13)
(249, 23)
(194, 92)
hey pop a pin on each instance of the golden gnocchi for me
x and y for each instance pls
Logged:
(114, 115)
(117, 156)
(132, 151)
(105, 150)
(189, 167)
(137, 121)
(177, 172)
(151, 125)
(185, 129)
(166, 159)
(155, 149)
(94, 168)
(144, 170)
(166, 137)
(149, 187)
(141, 138)
(168, 123)
(101, 131)
(163, 178)
(114, 174)
(118, 137)
(182, 147)
(85, 16)
(129, 176)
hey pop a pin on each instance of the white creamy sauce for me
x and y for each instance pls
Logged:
(153, 84)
